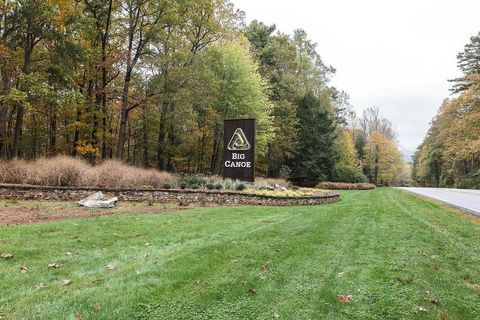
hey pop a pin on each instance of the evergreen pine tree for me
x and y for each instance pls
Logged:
(317, 152)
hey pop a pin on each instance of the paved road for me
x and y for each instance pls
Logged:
(466, 200)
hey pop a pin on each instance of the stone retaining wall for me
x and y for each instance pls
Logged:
(183, 197)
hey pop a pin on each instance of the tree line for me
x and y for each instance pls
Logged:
(150, 82)
(449, 155)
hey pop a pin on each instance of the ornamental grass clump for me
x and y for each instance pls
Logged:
(14, 171)
(58, 171)
(115, 174)
(73, 172)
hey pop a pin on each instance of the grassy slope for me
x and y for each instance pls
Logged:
(397, 255)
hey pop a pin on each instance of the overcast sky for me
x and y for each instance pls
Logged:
(397, 55)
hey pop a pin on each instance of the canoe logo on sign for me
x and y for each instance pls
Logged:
(239, 141)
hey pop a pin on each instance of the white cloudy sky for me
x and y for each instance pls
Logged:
(397, 55)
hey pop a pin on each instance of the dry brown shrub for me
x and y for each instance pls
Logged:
(58, 171)
(67, 171)
(344, 186)
(14, 171)
(115, 174)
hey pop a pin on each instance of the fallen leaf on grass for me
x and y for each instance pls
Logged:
(147, 244)
(56, 265)
(419, 309)
(110, 267)
(78, 317)
(68, 253)
(40, 286)
(23, 269)
(276, 315)
(6, 255)
(66, 282)
(344, 298)
(97, 306)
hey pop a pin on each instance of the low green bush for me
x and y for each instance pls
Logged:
(195, 186)
(218, 186)
(344, 173)
(167, 185)
(191, 179)
(183, 185)
(240, 187)
(210, 186)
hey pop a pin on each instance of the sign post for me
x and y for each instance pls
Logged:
(239, 149)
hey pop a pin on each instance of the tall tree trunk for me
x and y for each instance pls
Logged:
(171, 140)
(53, 131)
(96, 108)
(27, 57)
(121, 133)
(145, 137)
(104, 130)
(3, 114)
(216, 147)
(202, 153)
(17, 132)
(124, 114)
(34, 137)
(128, 141)
(76, 133)
(161, 163)
(105, 80)
(270, 169)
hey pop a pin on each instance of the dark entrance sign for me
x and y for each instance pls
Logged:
(239, 149)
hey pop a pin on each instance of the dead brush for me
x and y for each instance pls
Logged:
(115, 174)
(58, 171)
(72, 172)
(14, 171)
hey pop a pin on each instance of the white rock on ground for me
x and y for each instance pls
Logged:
(98, 200)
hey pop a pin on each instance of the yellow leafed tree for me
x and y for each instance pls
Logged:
(382, 161)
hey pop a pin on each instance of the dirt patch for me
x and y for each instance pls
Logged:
(20, 212)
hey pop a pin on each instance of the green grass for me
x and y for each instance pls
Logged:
(400, 257)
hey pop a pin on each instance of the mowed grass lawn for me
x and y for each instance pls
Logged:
(398, 256)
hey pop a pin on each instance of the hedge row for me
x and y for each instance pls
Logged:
(344, 186)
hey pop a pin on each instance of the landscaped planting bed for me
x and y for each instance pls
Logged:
(182, 197)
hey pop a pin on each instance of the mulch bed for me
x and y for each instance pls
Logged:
(17, 213)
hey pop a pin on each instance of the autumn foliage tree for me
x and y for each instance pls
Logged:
(449, 156)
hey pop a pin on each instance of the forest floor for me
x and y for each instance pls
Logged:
(378, 254)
